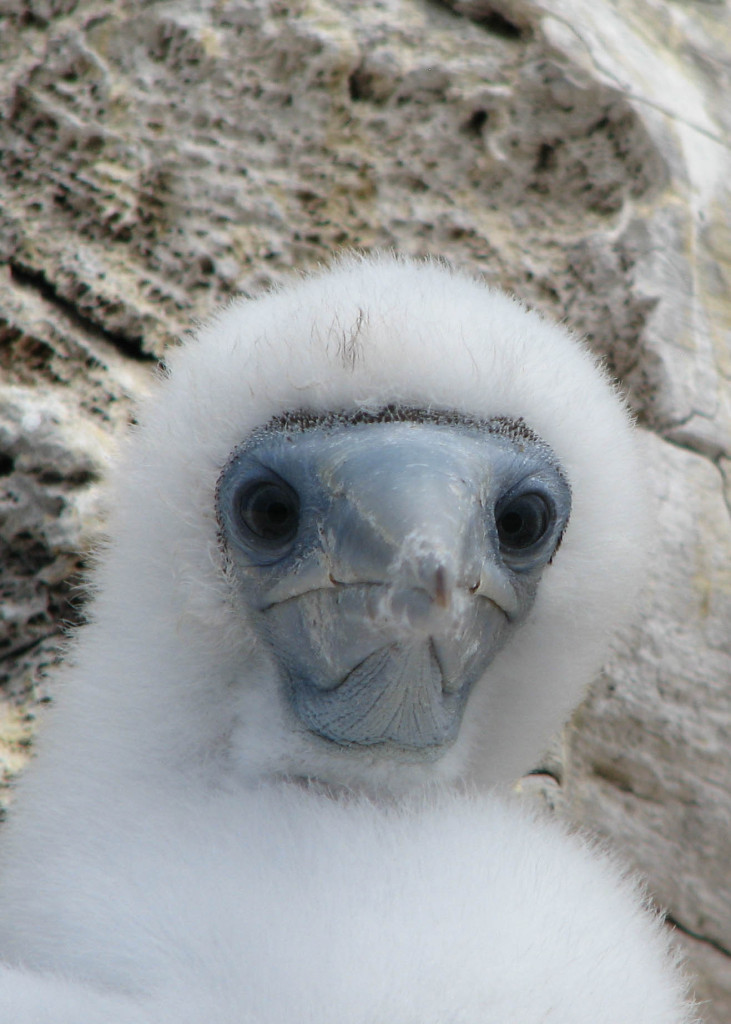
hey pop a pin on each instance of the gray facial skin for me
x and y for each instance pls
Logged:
(385, 563)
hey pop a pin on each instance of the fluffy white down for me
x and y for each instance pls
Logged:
(152, 871)
(283, 905)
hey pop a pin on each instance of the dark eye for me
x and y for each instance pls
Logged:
(270, 510)
(522, 521)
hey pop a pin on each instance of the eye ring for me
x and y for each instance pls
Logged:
(268, 510)
(523, 521)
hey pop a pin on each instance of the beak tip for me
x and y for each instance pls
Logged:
(441, 588)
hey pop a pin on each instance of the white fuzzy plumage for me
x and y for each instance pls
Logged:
(159, 868)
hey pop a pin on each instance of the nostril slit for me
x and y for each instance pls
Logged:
(474, 588)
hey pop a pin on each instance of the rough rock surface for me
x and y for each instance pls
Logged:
(156, 158)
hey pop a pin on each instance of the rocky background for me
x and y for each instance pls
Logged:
(156, 158)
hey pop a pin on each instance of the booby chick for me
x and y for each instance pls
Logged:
(366, 549)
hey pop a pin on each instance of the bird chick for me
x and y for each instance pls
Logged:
(366, 549)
